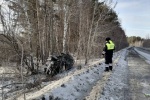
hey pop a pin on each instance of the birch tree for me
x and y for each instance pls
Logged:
(49, 27)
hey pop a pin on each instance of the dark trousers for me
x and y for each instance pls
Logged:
(108, 58)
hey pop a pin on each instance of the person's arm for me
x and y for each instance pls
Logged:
(104, 50)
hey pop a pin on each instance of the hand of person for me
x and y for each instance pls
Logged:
(103, 54)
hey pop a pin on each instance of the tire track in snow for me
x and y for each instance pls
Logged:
(98, 88)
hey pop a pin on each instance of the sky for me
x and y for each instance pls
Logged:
(134, 16)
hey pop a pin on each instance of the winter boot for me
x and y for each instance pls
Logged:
(106, 69)
(110, 68)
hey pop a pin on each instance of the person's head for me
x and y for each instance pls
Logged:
(108, 38)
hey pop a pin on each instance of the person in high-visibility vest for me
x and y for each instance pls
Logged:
(108, 53)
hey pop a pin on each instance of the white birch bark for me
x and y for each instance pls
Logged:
(89, 37)
(65, 25)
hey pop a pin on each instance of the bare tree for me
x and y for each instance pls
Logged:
(53, 26)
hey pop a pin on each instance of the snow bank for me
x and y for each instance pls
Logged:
(117, 86)
(146, 55)
(77, 87)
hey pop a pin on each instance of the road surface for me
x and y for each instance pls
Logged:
(139, 76)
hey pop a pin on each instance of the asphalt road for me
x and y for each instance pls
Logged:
(139, 76)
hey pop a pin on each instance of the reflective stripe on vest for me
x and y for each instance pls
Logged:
(110, 45)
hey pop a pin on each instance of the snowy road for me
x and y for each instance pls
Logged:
(129, 80)
(139, 75)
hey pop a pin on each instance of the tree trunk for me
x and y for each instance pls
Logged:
(65, 25)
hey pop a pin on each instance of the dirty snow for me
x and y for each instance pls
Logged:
(77, 84)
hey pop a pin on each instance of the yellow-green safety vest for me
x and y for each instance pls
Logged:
(110, 45)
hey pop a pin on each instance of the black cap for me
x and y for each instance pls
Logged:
(108, 38)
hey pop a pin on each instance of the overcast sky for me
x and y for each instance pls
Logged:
(134, 16)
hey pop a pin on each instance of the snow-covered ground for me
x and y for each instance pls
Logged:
(90, 83)
(78, 85)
